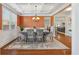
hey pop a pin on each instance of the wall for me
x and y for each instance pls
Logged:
(27, 21)
(21, 20)
(52, 20)
(0, 16)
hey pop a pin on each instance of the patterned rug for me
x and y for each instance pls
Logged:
(55, 44)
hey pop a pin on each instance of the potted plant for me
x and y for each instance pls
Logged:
(21, 28)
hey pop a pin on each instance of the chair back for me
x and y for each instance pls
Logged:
(39, 34)
(30, 35)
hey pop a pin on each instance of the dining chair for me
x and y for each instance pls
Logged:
(30, 35)
(24, 34)
(39, 35)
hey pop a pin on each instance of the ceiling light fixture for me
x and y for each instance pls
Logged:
(69, 9)
(36, 18)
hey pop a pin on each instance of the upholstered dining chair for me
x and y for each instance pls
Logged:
(30, 35)
(39, 35)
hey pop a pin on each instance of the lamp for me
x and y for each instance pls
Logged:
(36, 18)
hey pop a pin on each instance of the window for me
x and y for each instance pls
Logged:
(47, 21)
(9, 19)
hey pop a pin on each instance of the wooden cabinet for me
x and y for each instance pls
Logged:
(64, 39)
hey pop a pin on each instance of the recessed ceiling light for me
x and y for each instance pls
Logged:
(68, 9)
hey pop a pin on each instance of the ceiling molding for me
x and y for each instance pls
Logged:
(31, 14)
(61, 9)
(42, 9)
(11, 9)
(17, 8)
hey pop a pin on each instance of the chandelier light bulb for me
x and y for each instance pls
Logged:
(36, 18)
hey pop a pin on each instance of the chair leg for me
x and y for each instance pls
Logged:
(52, 38)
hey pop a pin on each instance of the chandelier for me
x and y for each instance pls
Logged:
(36, 18)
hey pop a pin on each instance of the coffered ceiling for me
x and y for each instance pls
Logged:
(43, 9)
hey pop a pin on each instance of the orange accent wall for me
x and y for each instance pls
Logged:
(52, 20)
(18, 20)
(22, 20)
(27, 21)
(0, 16)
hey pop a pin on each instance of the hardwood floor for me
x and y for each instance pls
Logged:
(0, 51)
(62, 38)
(36, 52)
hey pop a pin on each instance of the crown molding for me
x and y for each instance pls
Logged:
(11, 9)
(61, 9)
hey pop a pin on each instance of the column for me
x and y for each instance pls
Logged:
(75, 28)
